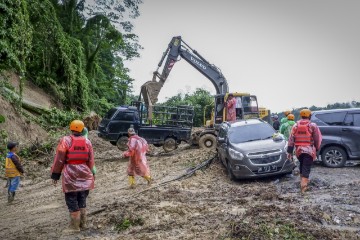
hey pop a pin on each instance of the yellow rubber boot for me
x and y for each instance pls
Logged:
(132, 181)
(148, 179)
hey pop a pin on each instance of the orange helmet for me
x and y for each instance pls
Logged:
(77, 126)
(287, 112)
(291, 117)
(305, 113)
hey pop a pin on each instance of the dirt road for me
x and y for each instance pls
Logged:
(204, 206)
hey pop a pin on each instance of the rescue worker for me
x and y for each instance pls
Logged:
(286, 129)
(230, 108)
(137, 148)
(306, 138)
(284, 119)
(85, 133)
(74, 161)
(276, 123)
(13, 170)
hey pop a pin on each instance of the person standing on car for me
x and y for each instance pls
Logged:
(137, 148)
(276, 123)
(286, 129)
(230, 108)
(74, 161)
(306, 138)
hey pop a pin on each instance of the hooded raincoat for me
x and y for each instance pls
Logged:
(137, 148)
(286, 128)
(231, 110)
(75, 177)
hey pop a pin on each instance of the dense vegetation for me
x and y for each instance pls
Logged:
(75, 49)
(201, 100)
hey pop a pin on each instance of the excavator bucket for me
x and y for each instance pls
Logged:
(150, 92)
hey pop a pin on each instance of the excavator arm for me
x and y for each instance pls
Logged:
(177, 49)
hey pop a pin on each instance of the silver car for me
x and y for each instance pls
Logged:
(251, 149)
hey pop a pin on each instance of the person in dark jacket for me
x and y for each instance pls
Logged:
(13, 170)
(276, 123)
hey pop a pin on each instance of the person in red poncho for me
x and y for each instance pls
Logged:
(137, 148)
(230, 108)
(305, 139)
(74, 161)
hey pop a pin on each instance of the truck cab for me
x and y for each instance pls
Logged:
(169, 126)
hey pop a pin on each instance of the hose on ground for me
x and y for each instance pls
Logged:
(190, 172)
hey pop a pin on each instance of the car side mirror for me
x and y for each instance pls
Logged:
(221, 140)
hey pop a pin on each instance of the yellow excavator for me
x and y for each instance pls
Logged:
(205, 138)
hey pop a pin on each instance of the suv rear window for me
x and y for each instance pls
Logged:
(353, 120)
(110, 113)
(332, 119)
(250, 132)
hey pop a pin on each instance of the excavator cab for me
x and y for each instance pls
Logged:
(247, 107)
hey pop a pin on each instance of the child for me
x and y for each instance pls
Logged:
(13, 170)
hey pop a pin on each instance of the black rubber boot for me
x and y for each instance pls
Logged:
(11, 196)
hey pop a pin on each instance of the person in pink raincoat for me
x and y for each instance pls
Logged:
(230, 108)
(74, 161)
(306, 138)
(137, 148)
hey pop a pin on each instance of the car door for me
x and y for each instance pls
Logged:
(351, 133)
(330, 125)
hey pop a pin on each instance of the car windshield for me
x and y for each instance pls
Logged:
(110, 113)
(251, 132)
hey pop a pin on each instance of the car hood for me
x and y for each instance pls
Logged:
(258, 146)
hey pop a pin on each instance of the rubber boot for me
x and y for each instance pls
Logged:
(148, 179)
(132, 181)
(83, 218)
(11, 197)
(74, 223)
(304, 184)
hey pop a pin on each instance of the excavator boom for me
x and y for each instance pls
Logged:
(178, 48)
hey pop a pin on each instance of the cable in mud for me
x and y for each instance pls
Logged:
(190, 172)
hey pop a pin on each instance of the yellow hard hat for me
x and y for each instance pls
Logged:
(287, 112)
(305, 113)
(291, 117)
(77, 126)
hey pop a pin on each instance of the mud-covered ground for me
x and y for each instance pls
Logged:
(206, 205)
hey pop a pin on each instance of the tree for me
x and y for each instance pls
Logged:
(76, 51)
(200, 99)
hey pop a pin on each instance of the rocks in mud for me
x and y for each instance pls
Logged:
(326, 217)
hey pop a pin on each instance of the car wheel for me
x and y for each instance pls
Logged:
(333, 157)
(122, 143)
(169, 145)
(207, 141)
(230, 172)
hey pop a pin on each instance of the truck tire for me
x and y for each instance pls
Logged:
(169, 144)
(207, 141)
(122, 143)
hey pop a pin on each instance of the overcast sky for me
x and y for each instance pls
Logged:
(289, 53)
